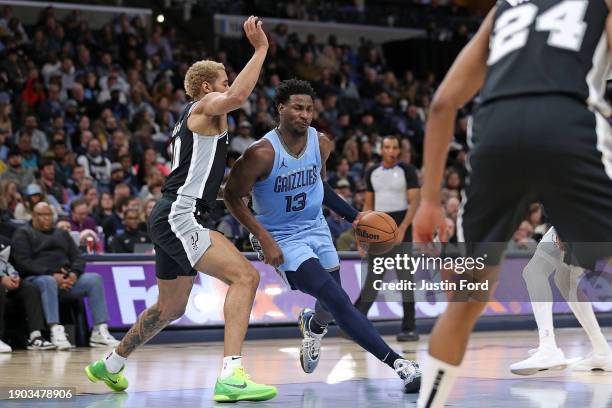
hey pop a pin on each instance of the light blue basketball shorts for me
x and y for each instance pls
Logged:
(297, 248)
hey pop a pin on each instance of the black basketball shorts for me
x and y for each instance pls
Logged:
(178, 237)
(550, 149)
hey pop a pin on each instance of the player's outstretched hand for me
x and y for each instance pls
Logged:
(271, 251)
(255, 33)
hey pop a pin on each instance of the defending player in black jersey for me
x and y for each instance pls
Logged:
(182, 245)
(540, 134)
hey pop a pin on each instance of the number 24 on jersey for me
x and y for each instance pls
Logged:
(564, 21)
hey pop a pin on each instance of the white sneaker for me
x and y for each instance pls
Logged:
(594, 362)
(5, 348)
(102, 338)
(310, 353)
(410, 373)
(59, 339)
(543, 359)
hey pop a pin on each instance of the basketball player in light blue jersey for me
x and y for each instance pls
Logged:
(285, 173)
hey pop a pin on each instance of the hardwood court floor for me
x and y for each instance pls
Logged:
(183, 375)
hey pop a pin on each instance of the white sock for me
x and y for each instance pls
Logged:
(114, 362)
(582, 310)
(229, 363)
(542, 311)
(436, 383)
(536, 275)
(34, 334)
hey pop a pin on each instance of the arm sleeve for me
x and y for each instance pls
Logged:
(337, 204)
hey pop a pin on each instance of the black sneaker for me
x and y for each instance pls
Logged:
(408, 336)
(39, 343)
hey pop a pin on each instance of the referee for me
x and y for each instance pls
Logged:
(392, 187)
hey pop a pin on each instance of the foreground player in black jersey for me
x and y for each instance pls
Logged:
(182, 245)
(540, 134)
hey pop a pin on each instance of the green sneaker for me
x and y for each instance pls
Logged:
(239, 387)
(97, 371)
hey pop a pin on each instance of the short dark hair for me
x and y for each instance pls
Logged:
(393, 137)
(292, 87)
(76, 203)
(44, 162)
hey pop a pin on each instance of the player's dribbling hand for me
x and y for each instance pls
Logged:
(272, 253)
(255, 33)
(360, 215)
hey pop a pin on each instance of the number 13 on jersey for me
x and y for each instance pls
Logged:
(564, 21)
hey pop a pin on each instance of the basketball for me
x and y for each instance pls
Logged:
(376, 232)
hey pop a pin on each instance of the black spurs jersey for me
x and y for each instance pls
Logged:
(549, 46)
(198, 162)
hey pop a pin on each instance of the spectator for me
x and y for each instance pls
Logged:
(522, 239)
(28, 153)
(26, 293)
(114, 225)
(33, 195)
(342, 173)
(91, 198)
(96, 166)
(4, 148)
(124, 243)
(38, 138)
(452, 207)
(9, 198)
(104, 209)
(16, 172)
(49, 258)
(453, 180)
(243, 139)
(79, 216)
(48, 182)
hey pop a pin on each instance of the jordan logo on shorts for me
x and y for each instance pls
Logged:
(194, 241)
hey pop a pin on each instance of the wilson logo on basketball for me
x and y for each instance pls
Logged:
(364, 234)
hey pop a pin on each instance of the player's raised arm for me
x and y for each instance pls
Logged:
(219, 103)
(255, 164)
(461, 83)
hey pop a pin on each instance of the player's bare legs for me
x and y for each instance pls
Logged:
(223, 261)
(456, 323)
(170, 305)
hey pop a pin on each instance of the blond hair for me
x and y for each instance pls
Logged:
(200, 72)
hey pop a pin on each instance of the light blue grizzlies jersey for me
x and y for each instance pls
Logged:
(289, 200)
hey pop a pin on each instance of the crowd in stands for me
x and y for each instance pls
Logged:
(85, 117)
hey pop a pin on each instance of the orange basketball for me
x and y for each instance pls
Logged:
(376, 232)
